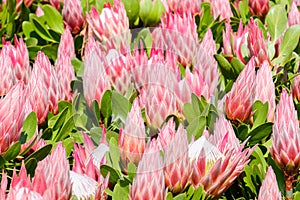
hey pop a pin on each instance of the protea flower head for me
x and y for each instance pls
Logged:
(111, 26)
(95, 78)
(217, 160)
(269, 189)
(132, 139)
(13, 105)
(239, 100)
(177, 169)
(286, 139)
(265, 88)
(43, 88)
(64, 69)
(7, 74)
(205, 64)
(257, 45)
(145, 186)
(186, 6)
(294, 15)
(166, 134)
(259, 7)
(196, 83)
(118, 66)
(73, 15)
(179, 35)
(221, 8)
(296, 88)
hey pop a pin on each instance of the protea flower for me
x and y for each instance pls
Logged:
(43, 88)
(64, 69)
(294, 15)
(72, 15)
(259, 7)
(179, 35)
(286, 139)
(265, 88)
(111, 26)
(205, 64)
(221, 8)
(145, 186)
(239, 100)
(166, 134)
(177, 169)
(218, 160)
(118, 66)
(196, 83)
(13, 108)
(257, 45)
(269, 188)
(95, 78)
(186, 6)
(6, 72)
(296, 88)
(132, 139)
(85, 175)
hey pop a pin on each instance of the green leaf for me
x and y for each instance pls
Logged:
(260, 113)
(106, 110)
(132, 8)
(276, 20)
(78, 66)
(30, 166)
(120, 192)
(120, 106)
(40, 29)
(27, 29)
(225, 67)
(47, 134)
(95, 134)
(196, 127)
(2, 162)
(31, 42)
(96, 109)
(114, 154)
(13, 151)
(66, 129)
(114, 176)
(261, 132)
(237, 65)
(60, 120)
(50, 50)
(131, 168)
(151, 11)
(29, 125)
(181, 196)
(53, 18)
(68, 144)
(290, 40)
(40, 154)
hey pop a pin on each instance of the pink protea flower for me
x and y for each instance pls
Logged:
(269, 188)
(259, 7)
(205, 64)
(43, 88)
(221, 8)
(118, 66)
(111, 26)
(257, 45)
(197, 84)
(218, 160)
(72, 15)
(6, 72)
(64, 69)
(296, 88)
(239, 100)
(286, 139)
(177, 169)
(166, 134)
(179, 35)
(294, 15)
(186, 6)
(95, 78)
(132, 139)
(233, 42)
(86, 172)
(13, 105)
(265, 88)
(144, 186)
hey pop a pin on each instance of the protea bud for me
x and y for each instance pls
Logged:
(166, 134)
(7, 75)
(296, 88)
(259, 7)
(64, 69)
(196, 83)
(145, 186)
(205, 64)
(239, 100)
(111, 26)
(269, 188)
(265, 88)
(132, 140)
(186, 6)
(286, 139)
(43, 88)
(73, 16)
(95, 78)
(221, 8)
(294, 15)
(180, 36)
(13, 105)
(257, 45)
(177, 169)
